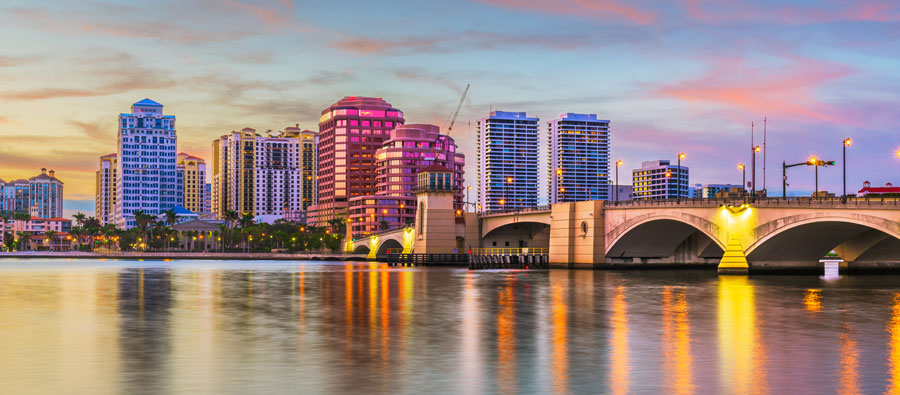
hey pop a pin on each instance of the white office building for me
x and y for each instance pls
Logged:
(507, 161)
(578, 167)
(659, 179)
(146, 176)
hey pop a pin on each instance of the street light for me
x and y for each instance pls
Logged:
(846, 144)
(558, 187)
(815, 162)
(743, 170)
(509, 181)
(619, 164)
(753, 172)
(469, 188)
(678, 178)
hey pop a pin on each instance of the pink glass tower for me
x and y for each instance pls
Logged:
(350, 131)
(410, 149)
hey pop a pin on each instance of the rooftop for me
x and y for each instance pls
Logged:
(147, 103)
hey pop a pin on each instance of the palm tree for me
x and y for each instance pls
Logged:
(51, 234)
(171, 216)
(338, 226)
(79, 218)
(76, 233)
(246, 221)
(22, 217)
(23, 237)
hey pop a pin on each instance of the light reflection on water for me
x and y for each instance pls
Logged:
(261, 327)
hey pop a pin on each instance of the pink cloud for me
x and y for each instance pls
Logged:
(788, 89)
(582, 8)
(725, 11)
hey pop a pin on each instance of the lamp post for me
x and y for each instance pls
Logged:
(469, 188)
(509, 181)
(743, 170)
(846, 144)
(619, 164)
(753, 173)
(678, 178)
(559, 188)
(668, 176)
(815, 162)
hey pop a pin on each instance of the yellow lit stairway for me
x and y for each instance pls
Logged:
(734, 261)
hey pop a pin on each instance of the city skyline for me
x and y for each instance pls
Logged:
(657, 72)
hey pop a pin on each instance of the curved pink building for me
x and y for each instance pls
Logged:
(350, 131)
(409, 149)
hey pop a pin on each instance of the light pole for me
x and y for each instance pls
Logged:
(509, 181)
(678, 178)
(469, 188)
(619, 164)
(743, 170)
(846, 144)
(753, 172)
(668, 176)
(559, 188)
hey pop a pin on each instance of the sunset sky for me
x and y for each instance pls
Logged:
(674, 75)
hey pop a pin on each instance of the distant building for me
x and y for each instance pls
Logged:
(192, 174)
(105, 191)
(350, 131)
(309, 160)
(660, 179)
(409, 149)
(868, 189)
(620, 192)
(507, 161)
(39, 196)
(707, 191)
(206, 203)
(255, 174)
(37, 227)
(578, 167)
(146, 178)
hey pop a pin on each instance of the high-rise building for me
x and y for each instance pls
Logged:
(206, 203)
(578, 167)
(146, 177)
(309, 142)
(659, 179)
(350, 131)
(707, 191)
(507, 161)
(39, 196)
(409, 149)
(192, 174)
(258, 175)
(105, 194)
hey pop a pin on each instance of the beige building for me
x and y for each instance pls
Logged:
(105, 193)
(192, 171)
(258, 175)
(309, 142)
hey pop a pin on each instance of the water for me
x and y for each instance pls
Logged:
(195, 327)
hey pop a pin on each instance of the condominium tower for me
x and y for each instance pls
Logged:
(309, 142)
(146, 177)
(659, 179)
(350, 131)
(409, 149)
(40, 196)
(578, 167)
(507, 161)
(192, 176)
(257, 175)
(105, 193)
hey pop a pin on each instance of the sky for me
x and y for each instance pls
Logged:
(672, 76)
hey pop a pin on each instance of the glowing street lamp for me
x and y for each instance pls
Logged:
(847, 143)
(754, 151)
(743, 170)
(678, 177)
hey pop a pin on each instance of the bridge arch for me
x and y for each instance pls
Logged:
(532, 234)
(392, 244)
(361, 249)
(808, 237)
(676, 238)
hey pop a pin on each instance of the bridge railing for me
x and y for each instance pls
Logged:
(510, 251)
(763, 202)
(488, 213)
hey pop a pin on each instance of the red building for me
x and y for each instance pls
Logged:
(350, 131)
(410, 149)
(868, 189)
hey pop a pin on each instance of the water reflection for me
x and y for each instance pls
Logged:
(621, 369)
(741, 351)
(893, 329)
(266, 327)
(678, 365)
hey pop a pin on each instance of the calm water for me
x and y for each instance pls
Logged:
(197, 327)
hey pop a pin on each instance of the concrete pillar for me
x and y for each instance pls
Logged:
(562, 231)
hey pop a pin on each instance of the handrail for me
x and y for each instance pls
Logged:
(511, 251)
(735, 201)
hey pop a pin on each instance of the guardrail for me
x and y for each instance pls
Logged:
(762, 202)
(510, 251)
(544, 207)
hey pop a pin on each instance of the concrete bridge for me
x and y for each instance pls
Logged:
(771, 233)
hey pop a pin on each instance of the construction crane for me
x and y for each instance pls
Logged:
(451, 120)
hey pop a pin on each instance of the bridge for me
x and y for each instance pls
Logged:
(735, 234)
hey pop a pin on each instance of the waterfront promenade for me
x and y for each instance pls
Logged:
(156, 255)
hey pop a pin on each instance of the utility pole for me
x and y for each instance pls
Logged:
(764, 155)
